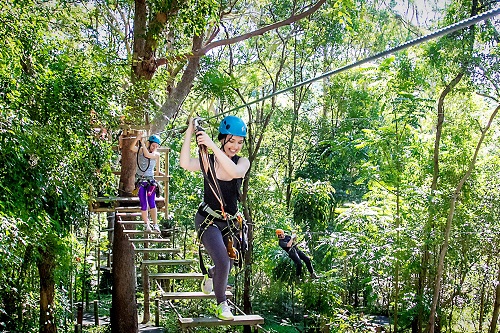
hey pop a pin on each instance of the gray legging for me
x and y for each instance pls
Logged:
(214, 244)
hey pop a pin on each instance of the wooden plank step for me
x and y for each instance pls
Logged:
(137, 222)
(248, 320)
(102, 209)
(128, 214)
(176, 276)
(140, 232)
(151, 225)
(169, 262)
(158, 250)
(128, 209)
(190, 295)
(149, 240)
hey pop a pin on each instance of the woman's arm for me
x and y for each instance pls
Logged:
(157, 169)
(185, 160)
(147, 153)
(133, 145)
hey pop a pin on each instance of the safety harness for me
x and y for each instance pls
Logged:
(147, 182)
(233, 228)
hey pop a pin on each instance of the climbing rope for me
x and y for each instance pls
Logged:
(137, 159)
(208, 169)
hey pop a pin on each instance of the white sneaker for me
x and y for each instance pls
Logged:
(156, 227)
(147, 228)
(223, 311)
(207, 284)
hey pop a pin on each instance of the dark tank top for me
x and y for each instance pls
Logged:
(230, 191)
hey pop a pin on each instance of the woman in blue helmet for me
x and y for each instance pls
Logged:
(229, 171)
(148, 158)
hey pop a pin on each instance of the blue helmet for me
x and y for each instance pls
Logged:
(154, 138)
(234, 126)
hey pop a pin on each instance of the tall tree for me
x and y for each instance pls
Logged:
(191, 30)
(51, 101)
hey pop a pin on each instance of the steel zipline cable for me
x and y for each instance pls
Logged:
(438, 33)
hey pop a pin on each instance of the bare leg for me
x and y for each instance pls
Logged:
(154, 215)
(144, 215)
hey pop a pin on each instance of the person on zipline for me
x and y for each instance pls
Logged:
(223, 170)
(147, 159)
(286, 242)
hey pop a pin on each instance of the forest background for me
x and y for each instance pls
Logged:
(389, 172)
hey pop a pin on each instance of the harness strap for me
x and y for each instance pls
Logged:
(203, 269)
(229, 232)
(206, 208)
(203, 226)
(143, 177)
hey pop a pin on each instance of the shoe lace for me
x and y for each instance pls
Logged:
(224, 308)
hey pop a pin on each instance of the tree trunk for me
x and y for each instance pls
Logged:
(496, 307)
(293, 131)
(399, 170)
(128, 163)
(449, 220)
(247, 277)
(396, 268)
(46, 266)
(483, 297)
(146, 287)
(429, 226)
(253, 148)
(179, 92)
(247, 265)
(425, 258)
(124, 305)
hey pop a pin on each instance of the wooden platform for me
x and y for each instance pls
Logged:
(190, 295)
(121, 204)
(122, 199)
(249, 320)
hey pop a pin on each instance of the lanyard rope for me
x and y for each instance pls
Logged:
(208, 169)
(149, 160)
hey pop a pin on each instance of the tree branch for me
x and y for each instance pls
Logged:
(203, 50)
(261, 31)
